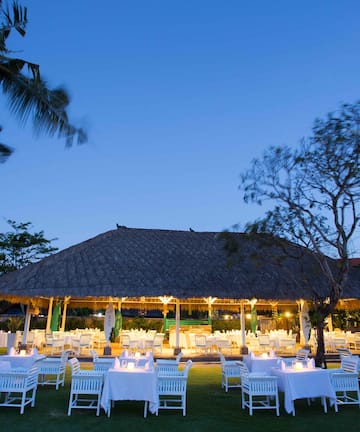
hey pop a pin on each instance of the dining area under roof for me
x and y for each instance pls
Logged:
(171, 271)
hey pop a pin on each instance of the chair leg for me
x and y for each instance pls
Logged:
(70, 403)
(22, 402)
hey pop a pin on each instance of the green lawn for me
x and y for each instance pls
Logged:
(209, 409)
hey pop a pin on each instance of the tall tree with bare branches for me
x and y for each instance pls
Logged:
(314, 194)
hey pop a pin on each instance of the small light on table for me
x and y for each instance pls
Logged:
(264, 355)
(131, 365)
(137, 354)
(298, 365)
(22, 352)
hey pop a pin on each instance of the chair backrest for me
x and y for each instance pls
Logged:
(222, 358)
(158, 339)
(344, 352)
(101, 364)
(94, 354)
(200, 340)
(86, 339)
(167, 367)
(187, 368)
(178, 357)
(125, 340)
(302, 354)
(349, 364)
(243, 368)
(75, 365)
(65, 356)
(264, 339)
(87, 384)
(244, 373)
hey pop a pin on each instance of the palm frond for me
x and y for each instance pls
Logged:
(14, 19)
(5, 152)
(29, 97)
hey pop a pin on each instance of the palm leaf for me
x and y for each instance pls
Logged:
(5, 152)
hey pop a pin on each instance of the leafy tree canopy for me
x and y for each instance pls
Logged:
(314, 193)
(19, 247)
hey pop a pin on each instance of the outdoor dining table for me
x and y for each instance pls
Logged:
(137, 384)
(261, 364)
(304, 383)
(21, 361)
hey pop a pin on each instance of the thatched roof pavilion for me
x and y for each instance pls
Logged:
(148, 263)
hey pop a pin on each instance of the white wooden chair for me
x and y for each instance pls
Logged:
(264, 342)
(258, 392)
(85, 342)
(224, 345)
(158, 342)
(99, 339)
(167, 367)
(103, 364)
(18, 388)
(86, 391)
(52, 370)
(230, 373)
(54, 344)
(346, 383)
(172, 390)
(349, 364)
(127, 342)
(288, 344)
(339, 342)
(201, 345)
(302, 354)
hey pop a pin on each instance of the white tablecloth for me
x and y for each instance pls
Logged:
(3, 339)
(263, 365)
(19, 361)
(305, 383)
(130, 384)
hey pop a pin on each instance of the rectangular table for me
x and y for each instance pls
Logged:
(261, 364)
(130, 384)
(304, 383)
(22, 361)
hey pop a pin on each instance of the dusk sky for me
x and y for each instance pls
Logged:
(177, 97)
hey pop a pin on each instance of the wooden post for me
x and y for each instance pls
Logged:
(48, 321)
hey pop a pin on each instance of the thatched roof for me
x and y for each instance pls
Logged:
(137, 263)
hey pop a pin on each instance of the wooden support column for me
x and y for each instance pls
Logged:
(48, 321)
(63, 317)
(177, 348)
(26, 324)
(243, 348)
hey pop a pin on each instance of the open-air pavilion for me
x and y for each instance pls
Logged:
(171, 269)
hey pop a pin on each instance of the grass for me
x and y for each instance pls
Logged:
(209, 409)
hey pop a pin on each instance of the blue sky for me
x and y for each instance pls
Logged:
(178, 97)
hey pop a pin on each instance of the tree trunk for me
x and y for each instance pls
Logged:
(320, 360)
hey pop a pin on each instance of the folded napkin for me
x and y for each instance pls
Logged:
(272, 354)
(311, 363)
(282, 365)
(125, 353)
(252, 355)
(34, 351)
(116, 364)
(12, 351)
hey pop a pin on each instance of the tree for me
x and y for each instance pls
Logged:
(315, 194)
(19, 247)
(27, 93)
